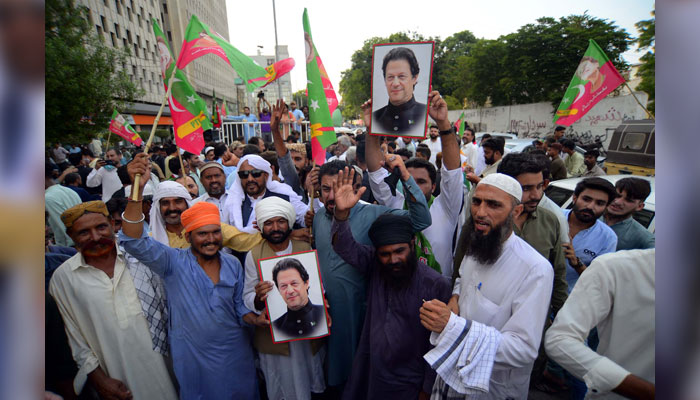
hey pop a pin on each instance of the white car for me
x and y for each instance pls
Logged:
(561, 192)
(517, 145)
(506, 136)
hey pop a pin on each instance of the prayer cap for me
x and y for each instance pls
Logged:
(504, 182)
(298, 147)
(210, 164)
(72, 214)
(207, 150)
(273, 206)
(391, 229)
(199, 215)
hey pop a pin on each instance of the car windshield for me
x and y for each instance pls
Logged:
(644, 217)
(558, 195)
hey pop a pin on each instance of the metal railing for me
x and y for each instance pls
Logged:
(242, 130)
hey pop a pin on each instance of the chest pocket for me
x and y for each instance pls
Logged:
(479, 307)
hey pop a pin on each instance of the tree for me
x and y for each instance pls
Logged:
(445, 68)
(84, 81)
(647, 70)
(536, 63)
(355, 83)
(300, 97)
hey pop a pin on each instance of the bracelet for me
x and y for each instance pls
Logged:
(447, 132)
(143, 217)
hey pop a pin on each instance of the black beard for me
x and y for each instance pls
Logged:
(486, 249)
(276, 240)
(585, 215)
(400, 279)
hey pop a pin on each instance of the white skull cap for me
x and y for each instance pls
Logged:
(504, 182)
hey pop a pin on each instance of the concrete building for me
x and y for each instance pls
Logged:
(272, 91)
(127, 24)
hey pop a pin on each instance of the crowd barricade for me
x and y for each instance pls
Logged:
(235, 130)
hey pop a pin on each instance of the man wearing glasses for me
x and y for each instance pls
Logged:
(254, 183)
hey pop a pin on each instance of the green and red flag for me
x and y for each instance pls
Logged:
(120, 126)
(594, 79)
(223, 111)
(200, 41)
(189, 112)
(322, 132)
(215, 120)
(460, 125)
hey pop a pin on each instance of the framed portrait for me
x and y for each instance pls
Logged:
(401, 78)
(295, 304)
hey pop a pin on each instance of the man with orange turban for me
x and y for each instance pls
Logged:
(209, 338)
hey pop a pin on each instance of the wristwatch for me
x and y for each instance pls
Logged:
(447, 132)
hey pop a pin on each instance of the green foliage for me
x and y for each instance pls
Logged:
(446, 70)
(452, 103)
(83, 83)
(647, 70)
(300, 97)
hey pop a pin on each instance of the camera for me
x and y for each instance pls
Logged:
(109, 162)
(261, 95)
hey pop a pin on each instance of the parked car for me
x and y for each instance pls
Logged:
(506, 136)
(517, 145)
(561, 192)
(632, 149)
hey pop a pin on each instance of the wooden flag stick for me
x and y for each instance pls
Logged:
(182, 164)
(109, 135)
(137, 178)
(639, 102)
(311, 199)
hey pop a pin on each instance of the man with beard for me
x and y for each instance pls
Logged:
(114, 312)
(590, 159)
(434, 142)
(500, 302)
(293, 369)
(389, 360)
(493, 152)
(590, 237)
(345, 286)
(254, 183)
(209, 337)
(631, 195)
(291, 157)
(213, 179)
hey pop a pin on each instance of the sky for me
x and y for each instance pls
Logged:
(339, 28)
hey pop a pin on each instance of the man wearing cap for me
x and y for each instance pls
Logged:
(213, 179)
(254, 183)
(389, 359)
(114, 312)
(500, 300)
(210, 343)
(209, 153)
(275, 218)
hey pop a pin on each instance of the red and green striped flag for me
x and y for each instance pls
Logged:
(120, 126)
(322, 132)
(188, 110)
(200, 40)
(595, 77)
(460, 125)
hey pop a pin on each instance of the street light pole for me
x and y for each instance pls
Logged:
(274, 16)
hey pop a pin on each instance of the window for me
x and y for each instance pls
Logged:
(133, 70)
(145, 53)
(558, 195)
(116, 30)
(128, 12)
(124, 43)
(119, 6)
(102, 21)
(170, 37)
(136, 50)
(128, 36)
(165, 8)
(634, 141)
(114, 39)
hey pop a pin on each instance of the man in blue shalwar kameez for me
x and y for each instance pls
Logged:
(209, 335)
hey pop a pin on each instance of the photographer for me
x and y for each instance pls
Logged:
(264, 116)
(105, 174)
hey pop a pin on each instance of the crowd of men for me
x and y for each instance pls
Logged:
(447, 272)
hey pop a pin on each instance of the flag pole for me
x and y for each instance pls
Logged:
(109, 135)
(311, 200)
(182, 164)
(639, 102)
(137, 178)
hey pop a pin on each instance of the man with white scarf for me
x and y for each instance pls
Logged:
(486, 340)
(169, 202)
(254, 183)
(292, 370)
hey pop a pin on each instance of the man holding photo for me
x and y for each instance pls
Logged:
(403, 115)
(302, 318)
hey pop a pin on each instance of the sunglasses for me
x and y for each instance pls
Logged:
(255, 172)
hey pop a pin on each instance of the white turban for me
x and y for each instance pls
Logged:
(504, 182)
(165, 189)
(273, 206)
(236, 195)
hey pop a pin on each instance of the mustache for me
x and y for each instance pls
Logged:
(173, 212)
(94, 243)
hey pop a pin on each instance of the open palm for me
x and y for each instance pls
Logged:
(345, 196)
(438, 106)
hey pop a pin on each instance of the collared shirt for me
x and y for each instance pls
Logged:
(490, 169)
(471, 151)
(208, 339)
(541, 231)
(58, 199)
(307, 321)
(548, 204)
(589, 244)
(558, 169)
(632, 235)
(220, 202)
(109, 180)
(511, 295)
(595, 171)
(407, 119)
(435, 147)
(616, 295)
(444, 211)
(106, 327)
(574, 165)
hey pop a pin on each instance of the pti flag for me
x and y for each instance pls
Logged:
(595, 77)
(188, 110)
(322, 132)
(200, 41)
(460, 124)
(119, 126)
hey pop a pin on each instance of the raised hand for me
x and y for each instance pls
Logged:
(367, 112)
(345, 196)
(438, 110)
(279, 112)
(139, 165)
